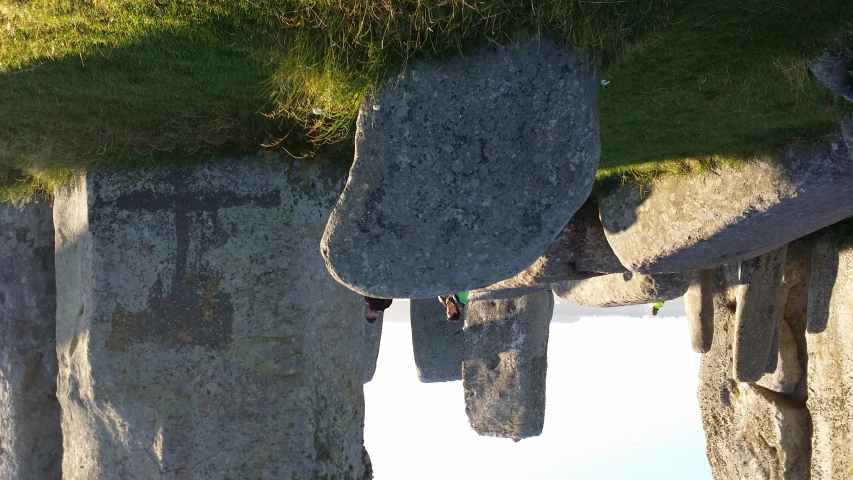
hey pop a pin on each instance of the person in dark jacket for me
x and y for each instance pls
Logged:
(454, 304)
(375, 307)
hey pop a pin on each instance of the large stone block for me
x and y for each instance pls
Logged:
(30, 434)
(751, 432)
(830, 359)
(620, 289)
(759, 311)
(437, 343)
(199, 335)
(699, 306)
(372, 340)
(466, 170)
(505, 365)
(734, 213)
(832, 70)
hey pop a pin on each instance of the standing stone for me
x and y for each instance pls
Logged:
(372, 339)
(437, 343)
(788, 371)
(759, 309)
(699, 305)
(830, 360)
(30, 435)
(505, 364)
(620, 289)
(437, 186)
(832, 70)
(693, 222)
(199, 335)
(751, 433)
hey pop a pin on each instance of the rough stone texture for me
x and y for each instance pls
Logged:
(505, 364)
(466, 125)
(788, 371)
(580, 251)
(759, 310)
(830, 360)
(832, 70)
(795, 289)
(695, 222)
(751, 433)
(501, 292)
(619, 289)
(437, 343)
(699, 306)
(30, 435)
(199, 335)
(372, 339)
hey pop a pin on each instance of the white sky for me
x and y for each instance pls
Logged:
(621, 404)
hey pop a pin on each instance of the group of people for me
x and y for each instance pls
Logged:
(454, 305)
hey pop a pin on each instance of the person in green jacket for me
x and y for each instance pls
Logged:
(656, 307)
(454, 304)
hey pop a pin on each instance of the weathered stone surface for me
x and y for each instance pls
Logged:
(505, 364)
(759, 310)
(501, 292)
(437, 343)
(30, 435)
(751, 433)
(795, 289)
(847, 132)
(832, 70)
(788, 371)
(436, 173)
(199, 335)
(694, 222)
(372, 339)
(619, 289)
(830, 360)
(699, 305)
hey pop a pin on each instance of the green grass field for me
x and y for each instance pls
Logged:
(132, 83)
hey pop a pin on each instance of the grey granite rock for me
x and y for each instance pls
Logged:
(466, 170)
(832, 70)
(694, 222)
(30, 434)
(619, 289)
(830, 359)
(372, 339)
(699, 306)
(437, 343)
(505, 364)
(751, 432)
(199, 335)
(759, 310)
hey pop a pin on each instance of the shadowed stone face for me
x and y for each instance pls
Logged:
(680, 223)
(30, 436)
(462, 156)
(198, 330)
(436, 343)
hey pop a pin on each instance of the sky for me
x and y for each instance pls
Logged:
(621, 404)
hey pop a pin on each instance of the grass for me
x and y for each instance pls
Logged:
(130, 83)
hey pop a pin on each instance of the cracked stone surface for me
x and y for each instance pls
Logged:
(440, 183)
(30, 435)
(190, 338)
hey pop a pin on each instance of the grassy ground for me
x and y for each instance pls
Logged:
(129, 83)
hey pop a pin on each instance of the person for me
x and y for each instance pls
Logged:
(454, 304)
(656, 307)
(375, 307)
